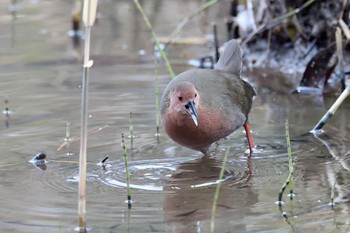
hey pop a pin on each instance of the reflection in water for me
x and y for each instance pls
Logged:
(190, 191)
(13, 9)
(339, 176)
(326, 164)
(205, 171)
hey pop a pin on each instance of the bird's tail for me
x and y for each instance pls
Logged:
(231, 58)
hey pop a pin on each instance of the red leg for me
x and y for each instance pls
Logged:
(249, 136)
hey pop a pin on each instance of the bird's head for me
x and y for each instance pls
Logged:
(184, 99)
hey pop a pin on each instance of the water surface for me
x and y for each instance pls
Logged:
(172, 187)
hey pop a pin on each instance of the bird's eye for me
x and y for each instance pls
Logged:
(180, 98)
(195, 95)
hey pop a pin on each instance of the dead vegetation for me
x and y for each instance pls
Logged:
(295, 37)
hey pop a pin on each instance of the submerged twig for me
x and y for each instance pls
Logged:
(217, 191)
(332, 203)
(129, 220)
(127, 176)
(103, 161)
(160, 49)
(89, 15)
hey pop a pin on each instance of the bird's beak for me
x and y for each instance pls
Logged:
(191, 110)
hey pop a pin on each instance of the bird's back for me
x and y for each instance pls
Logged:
(219, 89)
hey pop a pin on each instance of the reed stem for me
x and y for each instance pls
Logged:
(161, 51)
(179, 27)
(89, 13)
(156, 93)
(131, 129)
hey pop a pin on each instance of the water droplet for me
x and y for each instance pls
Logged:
(291, 195)
(142, 52)
(69, 153)
(75, 33)
(129, 202)
(279, 203)
(7, 112)
(82, 229)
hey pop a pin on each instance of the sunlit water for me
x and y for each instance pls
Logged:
(172, 187)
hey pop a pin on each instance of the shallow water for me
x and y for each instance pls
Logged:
(172, 187)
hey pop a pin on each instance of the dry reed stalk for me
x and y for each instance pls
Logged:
(89, 16)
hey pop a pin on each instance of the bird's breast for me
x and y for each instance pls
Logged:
(213, 125)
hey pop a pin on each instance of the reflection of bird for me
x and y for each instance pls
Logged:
(188, 196)
(200, 107)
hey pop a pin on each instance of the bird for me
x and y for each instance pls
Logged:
(201, 106)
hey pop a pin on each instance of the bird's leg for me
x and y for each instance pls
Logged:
(206, 151)
(249, 136)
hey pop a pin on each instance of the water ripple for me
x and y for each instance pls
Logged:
(178, 173)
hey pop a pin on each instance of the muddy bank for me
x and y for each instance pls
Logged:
(293, 43)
